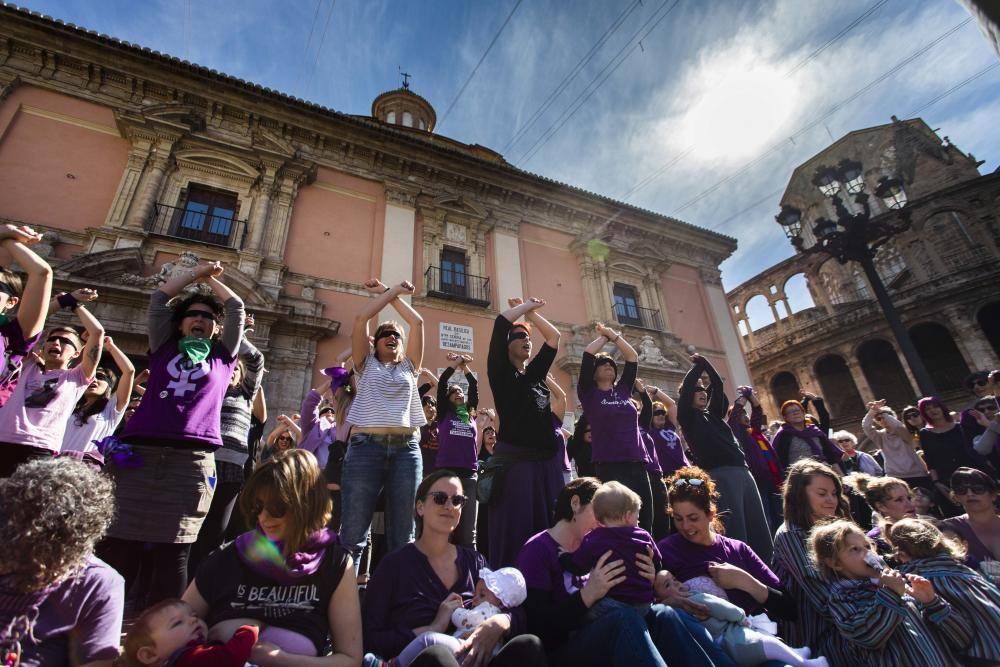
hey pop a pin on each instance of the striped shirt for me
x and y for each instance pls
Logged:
(975, 600)
(889, 630)
(800, 580)
(387, 396)
(234, 418)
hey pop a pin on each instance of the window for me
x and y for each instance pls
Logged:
(407, 119)
(391, 118)
(208, 215)
(453, 272)
(627, 305)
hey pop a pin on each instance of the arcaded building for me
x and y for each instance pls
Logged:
(135, 164)
(942, 275)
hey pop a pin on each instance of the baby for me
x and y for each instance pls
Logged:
(729, 627)
(170, 634)
(495, 592)
(616, 507)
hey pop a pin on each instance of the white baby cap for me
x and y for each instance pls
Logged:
(507, 584)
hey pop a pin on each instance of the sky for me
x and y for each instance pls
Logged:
(696, 110)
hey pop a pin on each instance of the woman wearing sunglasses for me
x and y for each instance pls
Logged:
(979, 527)
(288, 575)
(164, 467)
(525, 473)
(33, 421)
(99, 411)
(417, 588)
(384, 448)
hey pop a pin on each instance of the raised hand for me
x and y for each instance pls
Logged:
(406, 287)
(20, 233)
(84, 294)
(248, 323)
(514, 301)
(696, 358)
(375, 286)
(466, 359)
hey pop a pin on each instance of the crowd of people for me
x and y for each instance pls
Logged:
(149, 519)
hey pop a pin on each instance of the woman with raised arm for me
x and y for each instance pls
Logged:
(163, 466)
(101, 408)
(35, 417)
(702, 415)
(559, 401)
(617, 449)
(18, 332)
(458, 440)
(384, 449)
(524, 476)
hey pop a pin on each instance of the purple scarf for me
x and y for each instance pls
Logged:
(822, 447)
(265, 557)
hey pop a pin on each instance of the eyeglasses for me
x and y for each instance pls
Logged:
(395, 335)
(975, 489)
(102, 377)
(659, 413)
(62, 340)
(690, 482)
(518, 335)
(440, 498)
(202, 314)
(275, 508)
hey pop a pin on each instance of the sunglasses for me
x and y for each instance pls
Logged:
(979, 383)
(690, 482)
(845, 440)
(102, 377)
(911, 415)
(659, 413)
(518, 335)
(62, 340)
(976, 489)
(395, 335)
(440, 498)
(276, 509)
(203, 314)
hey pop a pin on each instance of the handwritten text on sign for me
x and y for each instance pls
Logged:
(456, 338)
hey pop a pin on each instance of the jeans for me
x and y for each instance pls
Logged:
(635, 477)
(619, 638)
(375, 462)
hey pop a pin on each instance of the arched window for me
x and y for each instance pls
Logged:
(784, 387)
(797, 293)
(839, 391)
(407, 119)
(885, 374)
(391, 118)
(759, 312)
(989, 319)
(937, 348)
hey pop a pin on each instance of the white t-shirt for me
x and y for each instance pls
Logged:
(81, 437)
(37, 412)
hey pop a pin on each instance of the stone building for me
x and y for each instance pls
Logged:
(136, 164)
(941, 274)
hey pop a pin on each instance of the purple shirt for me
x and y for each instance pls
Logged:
(14, 347)
(686, 560)
(404, 593)
(669, 450)
(652, 460)
(458, 446)
(625, 542)
(315, 429)
(81, 616)
(976, 551)
(539, 563)
(614, 421)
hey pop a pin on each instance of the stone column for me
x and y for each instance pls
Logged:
(137, 156)
(971, 341)
(148, 189)
(914, 387)
(725, 326)
(261, 210)
(860, 381)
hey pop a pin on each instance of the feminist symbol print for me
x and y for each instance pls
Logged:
(185, 374)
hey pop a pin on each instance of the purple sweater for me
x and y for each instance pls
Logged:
(614, 421)
(404, 593)
(183, 400)
(625, 542)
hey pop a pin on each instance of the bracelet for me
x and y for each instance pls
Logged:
(67, 300)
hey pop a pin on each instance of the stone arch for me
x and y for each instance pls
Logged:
(795, 289)
(758, 311)
(952, 235)
(784, 386)
(945, 363)
(988, 318)
(884, 372)
(839, 391)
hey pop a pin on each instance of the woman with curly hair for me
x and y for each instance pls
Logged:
(56, 598)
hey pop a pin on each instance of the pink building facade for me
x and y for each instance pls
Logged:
(136, 164)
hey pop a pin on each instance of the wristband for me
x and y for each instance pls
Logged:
(67, 300)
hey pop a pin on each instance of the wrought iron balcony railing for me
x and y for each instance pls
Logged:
(192, 225)
(450, 284)
(637, 316)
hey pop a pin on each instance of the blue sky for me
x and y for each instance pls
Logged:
(713, 87)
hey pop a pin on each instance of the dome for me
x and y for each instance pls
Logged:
(405, 108)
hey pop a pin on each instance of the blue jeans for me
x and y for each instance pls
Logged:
(375, 463)
(619, 638)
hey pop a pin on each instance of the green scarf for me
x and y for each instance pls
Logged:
(196, 349)
(4, 319)
(463, 413)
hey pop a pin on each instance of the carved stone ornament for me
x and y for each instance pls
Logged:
(186, 262)
(456, 233)
(650, 353)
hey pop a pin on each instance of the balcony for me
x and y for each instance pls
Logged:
(455, 286)
(192, 225)
(635, 316)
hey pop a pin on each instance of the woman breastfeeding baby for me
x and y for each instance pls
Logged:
(289, 577)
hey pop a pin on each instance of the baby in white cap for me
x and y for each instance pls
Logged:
(495, 592)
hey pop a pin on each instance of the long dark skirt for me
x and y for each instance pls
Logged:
(524, 504)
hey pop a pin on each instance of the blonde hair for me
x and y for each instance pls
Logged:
(921, 539)
(876, 490)
(613, 500)
(295, 479)
(826, 540)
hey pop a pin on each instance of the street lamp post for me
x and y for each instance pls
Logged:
(856, 237)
